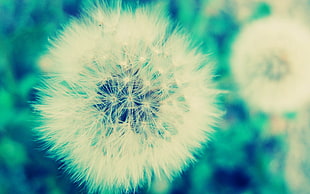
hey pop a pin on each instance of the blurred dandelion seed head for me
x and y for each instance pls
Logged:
(127, 99)
(270, 65)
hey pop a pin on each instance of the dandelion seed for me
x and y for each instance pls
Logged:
(270, 63)
(118, 114)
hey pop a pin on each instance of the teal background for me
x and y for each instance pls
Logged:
(243, 157)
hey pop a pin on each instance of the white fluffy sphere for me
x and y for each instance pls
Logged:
(129, 98)
(270, 63)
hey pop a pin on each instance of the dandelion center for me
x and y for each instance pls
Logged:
(276, 66)
(125, 99)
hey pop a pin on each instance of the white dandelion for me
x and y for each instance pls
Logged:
(130, 98)
(271, 63)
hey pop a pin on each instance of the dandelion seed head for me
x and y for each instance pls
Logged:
(270, 64)
(127, 100)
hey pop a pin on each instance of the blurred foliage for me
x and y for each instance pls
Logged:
(242, 158)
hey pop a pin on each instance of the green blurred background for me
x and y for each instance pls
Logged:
(244, 156)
